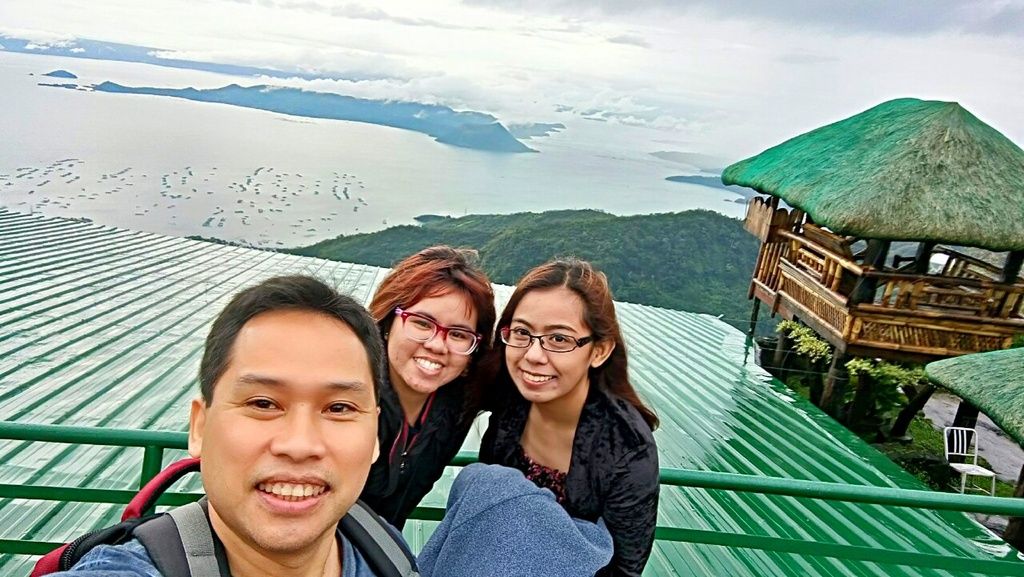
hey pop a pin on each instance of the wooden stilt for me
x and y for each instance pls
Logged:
(835, 382)
(753, 317)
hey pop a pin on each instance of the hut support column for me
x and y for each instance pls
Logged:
(966, 415)
(835, 382)
(1013, 266)
(753, 317)
(916, 404)
(862, 401)
(877, 252)
(1014, 534)
(782, 347)
(923, 256)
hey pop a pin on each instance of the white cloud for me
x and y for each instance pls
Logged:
(729, 79)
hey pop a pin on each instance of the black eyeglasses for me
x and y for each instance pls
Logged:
(521, 338)
(422, 328)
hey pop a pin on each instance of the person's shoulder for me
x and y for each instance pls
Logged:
(126, 560)
(626, 422)
(354, 562)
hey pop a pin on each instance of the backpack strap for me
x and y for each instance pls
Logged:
(145, 499)
(386, 554)
(182, 543)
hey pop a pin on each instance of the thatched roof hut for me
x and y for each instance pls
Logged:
(993, 382)
(906, 169)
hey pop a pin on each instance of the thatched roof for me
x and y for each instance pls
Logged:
(993, 382)
(906, 169)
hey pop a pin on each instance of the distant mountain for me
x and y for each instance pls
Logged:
(60, 74)
(459, 128)
(697, 261)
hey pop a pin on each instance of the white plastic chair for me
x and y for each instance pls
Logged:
(963, 442)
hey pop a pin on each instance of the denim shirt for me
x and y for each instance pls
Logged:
(132, 560)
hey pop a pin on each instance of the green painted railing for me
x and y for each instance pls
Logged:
(154, 443)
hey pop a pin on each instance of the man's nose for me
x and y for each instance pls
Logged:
(300, 437)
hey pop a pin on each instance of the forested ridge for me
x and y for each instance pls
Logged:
(698, 261)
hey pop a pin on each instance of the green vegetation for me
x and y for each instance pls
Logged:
(870, 401)
(697, 261)
(925, 459)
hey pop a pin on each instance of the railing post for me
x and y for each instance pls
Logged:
(152, 462)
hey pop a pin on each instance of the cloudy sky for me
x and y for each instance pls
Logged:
(724, 77)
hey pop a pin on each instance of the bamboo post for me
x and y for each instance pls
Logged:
(782, 347)
(861, 403)
(1013, 265)
(753, 317)
(835, 382)
(921, 259)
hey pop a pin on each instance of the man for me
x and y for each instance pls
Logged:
(286, 428)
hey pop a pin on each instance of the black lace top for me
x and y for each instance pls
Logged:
(543, 477)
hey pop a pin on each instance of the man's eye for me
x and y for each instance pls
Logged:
(262, 404)
(340, 408)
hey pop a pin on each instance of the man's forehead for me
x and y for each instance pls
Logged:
(263, 380)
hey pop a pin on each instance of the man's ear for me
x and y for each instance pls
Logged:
(602, 350)
(196, 422)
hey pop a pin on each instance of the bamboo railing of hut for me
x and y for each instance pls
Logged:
(807, 272)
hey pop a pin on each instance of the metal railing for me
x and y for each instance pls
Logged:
(154, 443)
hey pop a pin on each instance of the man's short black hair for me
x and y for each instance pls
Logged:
(287, 293)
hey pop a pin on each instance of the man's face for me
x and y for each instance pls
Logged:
(288, 439)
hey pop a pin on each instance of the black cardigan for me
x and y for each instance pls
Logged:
(613, 472)
(394, 489)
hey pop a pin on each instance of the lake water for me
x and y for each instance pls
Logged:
(188, 168)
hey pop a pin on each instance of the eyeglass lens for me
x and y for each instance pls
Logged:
(422, 329)
(521, 338)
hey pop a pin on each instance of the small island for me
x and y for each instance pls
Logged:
(60, 74)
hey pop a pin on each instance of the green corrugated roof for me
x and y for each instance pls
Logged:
(101, 326)
(906, 169)
(993, 382)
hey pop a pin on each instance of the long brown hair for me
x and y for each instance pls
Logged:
(591, 286)
(437, 271)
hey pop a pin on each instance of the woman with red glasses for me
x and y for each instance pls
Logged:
(567, 415)
(435, 310)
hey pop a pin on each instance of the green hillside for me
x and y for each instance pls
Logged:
(697, 261)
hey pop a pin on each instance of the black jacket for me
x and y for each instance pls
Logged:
(613, 472)
(394, 488)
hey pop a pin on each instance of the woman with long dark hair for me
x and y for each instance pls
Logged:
(435, 310)
(566, 414)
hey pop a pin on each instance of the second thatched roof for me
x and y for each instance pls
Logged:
(906, 169)
(993, 382)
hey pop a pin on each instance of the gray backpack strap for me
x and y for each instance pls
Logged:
(379, 546)
(196, 539)
(160, 538)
